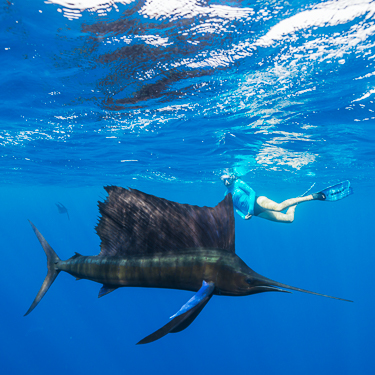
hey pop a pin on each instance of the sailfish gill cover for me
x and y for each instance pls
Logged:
(163, 97)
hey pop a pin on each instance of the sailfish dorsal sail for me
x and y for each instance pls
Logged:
(133, 222)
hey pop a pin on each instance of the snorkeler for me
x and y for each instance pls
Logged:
(248, 204)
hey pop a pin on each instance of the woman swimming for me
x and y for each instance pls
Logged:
(247, 204)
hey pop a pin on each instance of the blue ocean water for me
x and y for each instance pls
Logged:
(164, 97)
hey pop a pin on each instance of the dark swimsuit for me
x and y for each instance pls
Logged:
(257, 209)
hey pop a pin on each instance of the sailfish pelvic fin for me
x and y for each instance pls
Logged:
(186, 315)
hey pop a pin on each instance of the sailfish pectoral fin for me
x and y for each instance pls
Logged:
(186, 315)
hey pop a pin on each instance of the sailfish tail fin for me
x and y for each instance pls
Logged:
(52, 273)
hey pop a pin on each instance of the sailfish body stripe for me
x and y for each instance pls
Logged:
(183, 271)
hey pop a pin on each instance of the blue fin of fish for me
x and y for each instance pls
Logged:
(186, 315)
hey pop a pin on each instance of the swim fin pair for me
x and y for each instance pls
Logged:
(335, 192)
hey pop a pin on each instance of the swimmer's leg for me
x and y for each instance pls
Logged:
(288, 217)
(268, 204)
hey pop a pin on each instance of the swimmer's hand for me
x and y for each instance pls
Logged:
(248, 216)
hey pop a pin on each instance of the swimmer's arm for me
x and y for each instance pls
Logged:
(244, 186)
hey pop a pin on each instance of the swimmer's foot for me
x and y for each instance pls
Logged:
(319, 196)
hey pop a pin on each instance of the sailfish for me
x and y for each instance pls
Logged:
(147, 241)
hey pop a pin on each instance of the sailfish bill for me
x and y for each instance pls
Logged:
(148, 241)
(273, 283)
